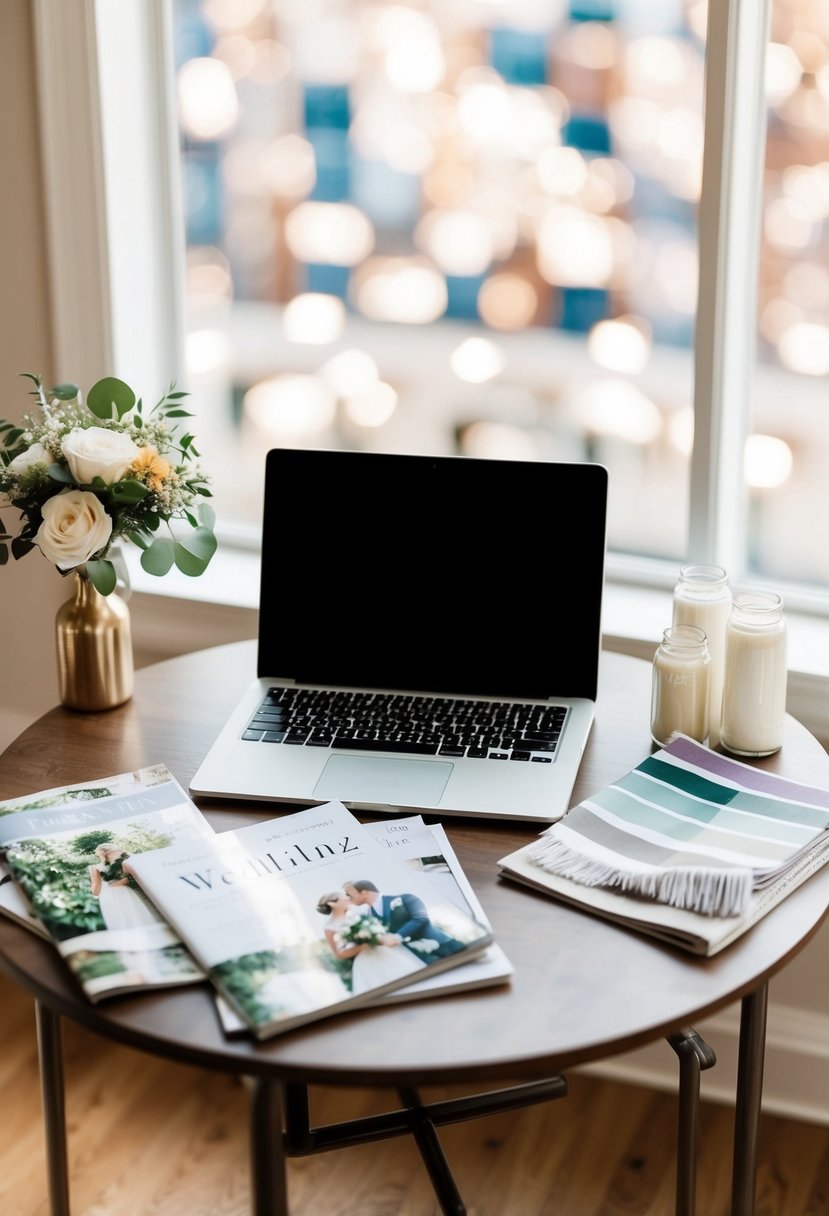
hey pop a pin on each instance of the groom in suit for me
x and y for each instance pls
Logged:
(406, 918)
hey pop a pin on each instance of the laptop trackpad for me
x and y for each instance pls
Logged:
(383, 779)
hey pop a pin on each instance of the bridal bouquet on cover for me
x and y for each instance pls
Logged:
(85, 473)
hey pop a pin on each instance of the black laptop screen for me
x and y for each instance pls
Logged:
(445, 574)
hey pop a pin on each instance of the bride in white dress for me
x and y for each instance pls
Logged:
(374, 964)
(119, 897)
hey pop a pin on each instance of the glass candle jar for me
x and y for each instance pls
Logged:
(755, 676)
(679, 697)
(702, 597)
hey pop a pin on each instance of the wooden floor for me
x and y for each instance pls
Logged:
(149, 1138)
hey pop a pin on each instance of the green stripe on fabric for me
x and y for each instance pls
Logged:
(750, 824)
(701, 787)
(633, 812)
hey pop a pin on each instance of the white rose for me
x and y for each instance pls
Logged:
(36, 454)
(94, 451)
(75, 526)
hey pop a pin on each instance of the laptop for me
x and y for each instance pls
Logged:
(429, 636)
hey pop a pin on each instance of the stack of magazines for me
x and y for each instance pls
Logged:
(690, 846)
(291, 919)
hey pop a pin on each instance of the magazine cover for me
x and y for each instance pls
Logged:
(299, 917)
(66, 850)
(425, 848)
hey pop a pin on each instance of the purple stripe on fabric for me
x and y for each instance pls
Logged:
(743, 774)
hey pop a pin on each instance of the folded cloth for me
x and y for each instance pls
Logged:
(688, 827)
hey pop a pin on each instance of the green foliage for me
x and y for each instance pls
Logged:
(162, 485)
(55, 875)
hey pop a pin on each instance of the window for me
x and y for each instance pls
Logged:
(491, 212)
(448, 227)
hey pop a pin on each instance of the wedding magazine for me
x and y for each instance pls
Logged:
(426, 849)
(303, 916)
(690, 846)
(63, 876)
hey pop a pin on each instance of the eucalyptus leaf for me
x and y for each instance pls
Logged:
(140, 541)
(102, 575)
(159, 557)
(207, 515)
(4, 554)
(65, 392)
(188, 563)
(201, 543)
(110, 398)
(129, 491)
(57, 472)
(21, 546)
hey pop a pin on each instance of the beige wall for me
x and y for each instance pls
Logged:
(30, 590)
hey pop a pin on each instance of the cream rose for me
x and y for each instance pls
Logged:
(75, 526)
(36, 454)
(94, 451)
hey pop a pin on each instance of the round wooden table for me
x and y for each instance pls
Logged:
(582, 990)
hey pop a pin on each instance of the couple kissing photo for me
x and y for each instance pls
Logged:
(385, 936)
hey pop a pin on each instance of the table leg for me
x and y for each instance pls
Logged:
(50, 1056)
(695, 1055)
(749, 1096)
(269, 1174)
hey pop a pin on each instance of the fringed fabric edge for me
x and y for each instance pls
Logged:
(711, 891)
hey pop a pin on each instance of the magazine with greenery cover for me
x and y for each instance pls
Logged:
(65, 850)
(425, 849)
(300, 917)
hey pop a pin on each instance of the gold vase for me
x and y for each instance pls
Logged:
(94, 641)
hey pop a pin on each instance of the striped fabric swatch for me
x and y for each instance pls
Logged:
(688, 827)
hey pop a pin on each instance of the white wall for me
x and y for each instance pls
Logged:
(30, 590)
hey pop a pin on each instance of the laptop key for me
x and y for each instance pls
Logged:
(385, 745)
(253, 735)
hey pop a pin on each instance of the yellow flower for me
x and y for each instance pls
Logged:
(151, 468)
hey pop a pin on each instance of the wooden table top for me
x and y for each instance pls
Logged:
(582, 990)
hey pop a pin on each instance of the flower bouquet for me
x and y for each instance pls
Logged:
(84, 474)
(361, 929)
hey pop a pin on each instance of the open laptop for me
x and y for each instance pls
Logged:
(457, 598)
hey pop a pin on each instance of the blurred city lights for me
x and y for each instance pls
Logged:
(767, 462)
(477, 360)
(313, 318)
(621, 345)
(290, 406)
(207, 102)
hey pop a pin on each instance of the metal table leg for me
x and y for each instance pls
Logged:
(268, 1169)
(749, 1097)
(695, 1055)
(50, 1056)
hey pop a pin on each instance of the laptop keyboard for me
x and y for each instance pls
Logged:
(421, 726)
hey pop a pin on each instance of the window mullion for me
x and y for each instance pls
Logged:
(729, 244)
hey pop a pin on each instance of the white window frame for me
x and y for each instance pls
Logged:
(116, 251)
